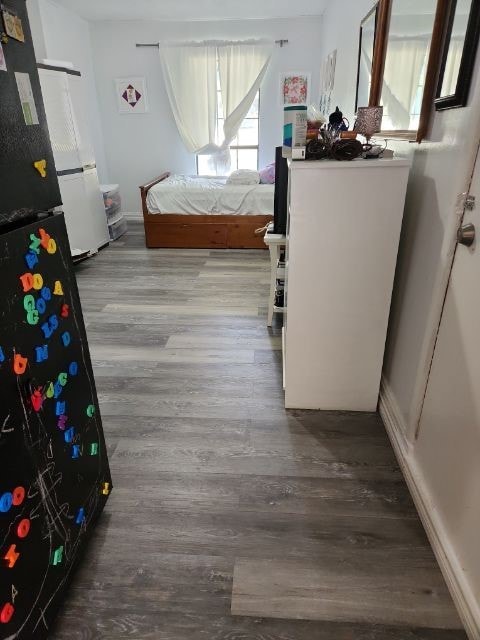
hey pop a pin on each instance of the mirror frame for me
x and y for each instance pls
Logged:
(472, 36)
(372, 12)
(431, 81)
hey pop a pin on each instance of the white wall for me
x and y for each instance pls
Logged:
(59, 34)
(441, 172)
(140, 147)
(341, 31)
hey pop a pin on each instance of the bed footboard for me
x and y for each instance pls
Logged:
(145, 188)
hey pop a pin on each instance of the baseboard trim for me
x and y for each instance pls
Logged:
(460, 590)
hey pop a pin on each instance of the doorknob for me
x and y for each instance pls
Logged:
(466, 235)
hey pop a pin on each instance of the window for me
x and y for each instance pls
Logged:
(244, 148)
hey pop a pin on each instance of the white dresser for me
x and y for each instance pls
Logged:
(345, 220)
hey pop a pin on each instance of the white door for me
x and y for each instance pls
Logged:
(98, 218)
(449, 431)
(77, 212)
(76, 88)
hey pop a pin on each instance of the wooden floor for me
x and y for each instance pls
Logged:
(232, 519)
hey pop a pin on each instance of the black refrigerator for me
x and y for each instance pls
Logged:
(54, 472)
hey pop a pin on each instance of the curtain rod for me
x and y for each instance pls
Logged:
(156, 45)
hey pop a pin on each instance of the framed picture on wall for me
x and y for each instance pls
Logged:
(327, 82)
(131, 95)
(295, 88)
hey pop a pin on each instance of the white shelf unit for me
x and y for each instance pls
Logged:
(345, 220)
(276, 244)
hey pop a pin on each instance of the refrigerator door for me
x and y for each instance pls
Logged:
(54, 472)
(24, 137)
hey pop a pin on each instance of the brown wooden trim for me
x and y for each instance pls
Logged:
(440, 27)
(145, 188)
(204, 231)
(380, 53)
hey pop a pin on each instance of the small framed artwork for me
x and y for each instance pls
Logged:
(131, 95)
(458, 60)
(295, 88)
(327, 82)
(13, 25)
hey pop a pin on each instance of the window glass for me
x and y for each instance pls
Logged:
(248, 133)
(244, 148)
(248, 159)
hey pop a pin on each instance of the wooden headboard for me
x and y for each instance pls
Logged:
(145, 188)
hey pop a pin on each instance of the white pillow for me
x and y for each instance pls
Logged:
(244, 176)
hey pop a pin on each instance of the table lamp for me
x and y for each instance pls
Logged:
(369, 122)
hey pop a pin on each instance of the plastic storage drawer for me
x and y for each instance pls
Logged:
(113, 213)
(111, 199)
(117, 228)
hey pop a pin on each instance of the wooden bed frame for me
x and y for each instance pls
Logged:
(200, 232)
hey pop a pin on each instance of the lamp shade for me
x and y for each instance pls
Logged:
(369, 120)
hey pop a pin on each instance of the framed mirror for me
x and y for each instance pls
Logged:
(461, 43)
(368, 29)
(406, 61)
(409, 38)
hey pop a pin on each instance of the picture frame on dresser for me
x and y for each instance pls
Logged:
(459, 53)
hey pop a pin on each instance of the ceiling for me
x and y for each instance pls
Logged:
(188, 10)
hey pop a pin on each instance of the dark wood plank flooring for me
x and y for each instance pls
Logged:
(232, 519)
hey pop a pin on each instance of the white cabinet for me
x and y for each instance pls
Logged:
(61, 126)
(65, 106)
(342, 244)
(78, 99)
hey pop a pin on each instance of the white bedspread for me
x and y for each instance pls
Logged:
(191, 195)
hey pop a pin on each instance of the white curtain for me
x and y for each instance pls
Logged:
(404, 66)
(242, 69)
(190, 74)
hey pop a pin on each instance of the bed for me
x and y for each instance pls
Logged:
(204, 213)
